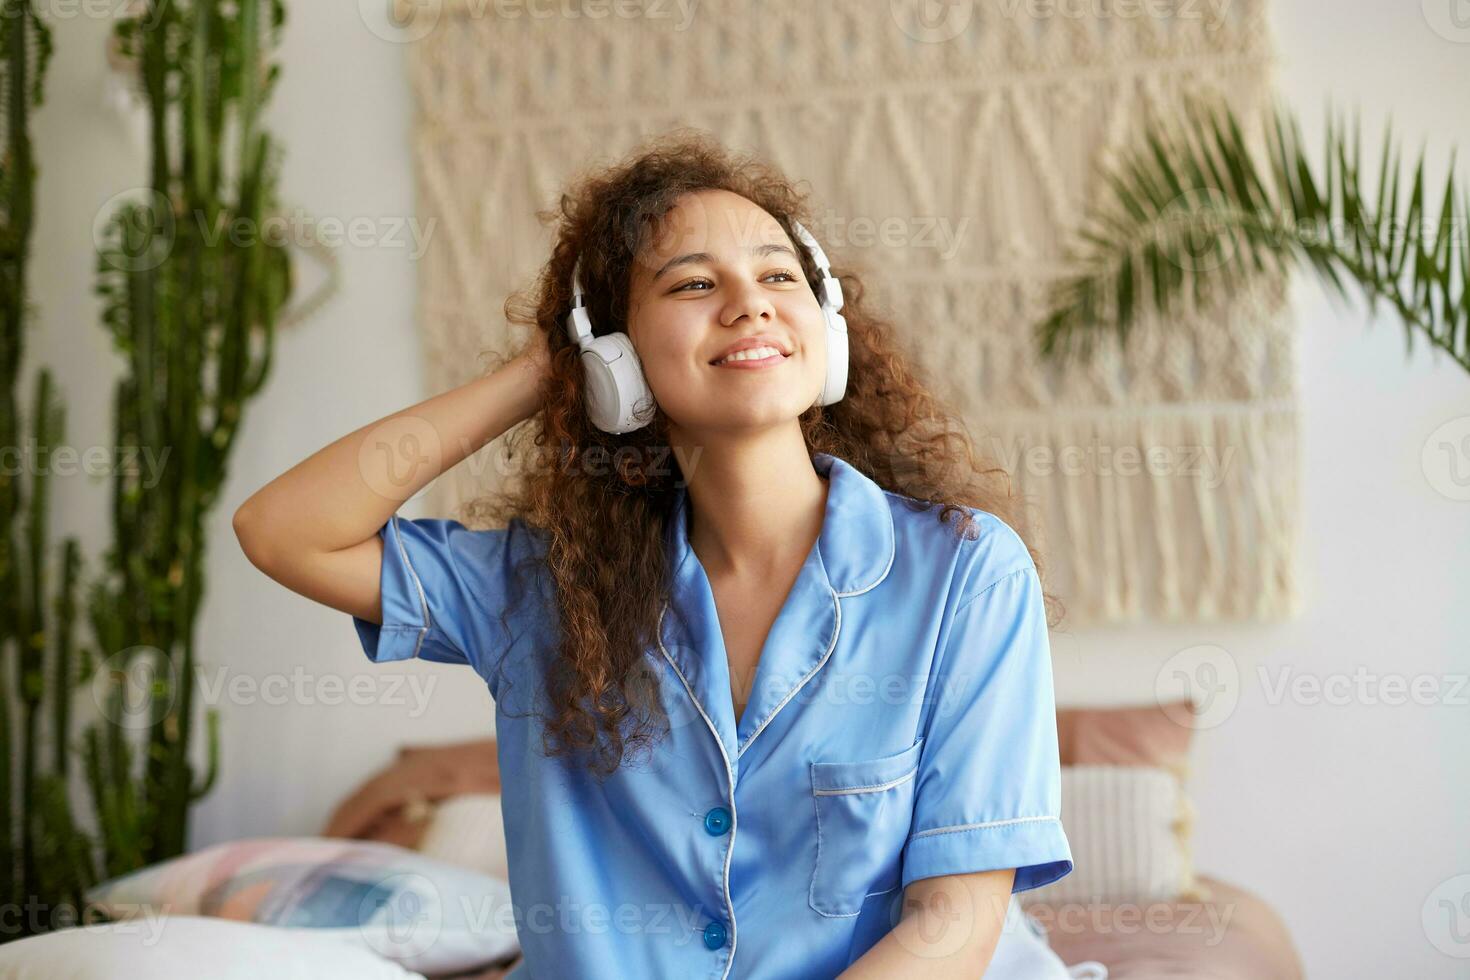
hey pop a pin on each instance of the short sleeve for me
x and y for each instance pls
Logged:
(444, 588)
(989, 777)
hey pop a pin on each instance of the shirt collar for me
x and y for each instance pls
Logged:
(856, 541)
(853, 553)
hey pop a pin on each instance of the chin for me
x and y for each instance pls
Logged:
(730, 418)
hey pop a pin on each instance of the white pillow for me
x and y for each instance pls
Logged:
(468, 830)
(1123, 824)
(188, 947)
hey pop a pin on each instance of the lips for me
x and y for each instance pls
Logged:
(754, 358)
(747, 343)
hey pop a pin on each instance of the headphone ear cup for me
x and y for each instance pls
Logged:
(617, 394)
(835, 385)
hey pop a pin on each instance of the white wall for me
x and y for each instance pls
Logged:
(1345, 816)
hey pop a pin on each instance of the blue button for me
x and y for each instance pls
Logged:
(717, 821)
(714, 935)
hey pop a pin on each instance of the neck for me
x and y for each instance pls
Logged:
(754, 505)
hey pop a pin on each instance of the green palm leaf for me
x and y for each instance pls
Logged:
(1192, 211)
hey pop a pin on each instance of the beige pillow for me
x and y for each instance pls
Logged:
(1120, 822)
(468, 830)
(1148, 735)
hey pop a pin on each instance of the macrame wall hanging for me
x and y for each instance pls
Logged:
(948, 161)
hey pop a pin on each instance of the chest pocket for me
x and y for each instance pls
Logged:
(863, 813)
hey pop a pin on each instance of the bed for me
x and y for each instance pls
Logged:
(1128, 820)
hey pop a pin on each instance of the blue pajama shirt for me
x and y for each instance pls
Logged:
(902, 724)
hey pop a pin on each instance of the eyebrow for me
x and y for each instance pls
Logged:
(691, 258)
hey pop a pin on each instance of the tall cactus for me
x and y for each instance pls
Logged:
(42, 855)
(192, 290)
(193, 311)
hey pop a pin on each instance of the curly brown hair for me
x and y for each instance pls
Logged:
(601, 502)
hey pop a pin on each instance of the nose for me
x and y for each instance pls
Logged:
(747, 300)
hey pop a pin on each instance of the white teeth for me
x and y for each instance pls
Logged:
(753, 354)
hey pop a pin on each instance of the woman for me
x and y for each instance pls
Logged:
(770, 664)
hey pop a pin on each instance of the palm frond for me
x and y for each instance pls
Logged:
(1191, 211)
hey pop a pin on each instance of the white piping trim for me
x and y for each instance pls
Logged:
(423, 600)
(892, 554)
(836, 632)
(879, 787)
(977, 826)
(729, 779)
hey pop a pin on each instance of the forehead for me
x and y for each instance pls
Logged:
(719, 222)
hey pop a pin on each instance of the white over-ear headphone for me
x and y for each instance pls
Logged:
(618, 396)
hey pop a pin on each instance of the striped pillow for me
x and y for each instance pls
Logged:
(1123, 823)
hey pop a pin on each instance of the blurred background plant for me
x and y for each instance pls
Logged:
(192, 292)
(1192, 212)
(41, 851)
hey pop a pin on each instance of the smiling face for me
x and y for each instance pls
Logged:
(721, 273)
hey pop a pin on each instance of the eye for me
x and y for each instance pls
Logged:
(780, 272)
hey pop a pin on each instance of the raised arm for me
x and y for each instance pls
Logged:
(314, 528)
